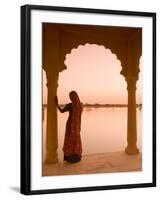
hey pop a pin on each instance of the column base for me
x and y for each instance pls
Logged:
(132, 150)
(51, 159)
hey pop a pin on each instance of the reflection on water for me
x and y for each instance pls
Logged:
(102, 130)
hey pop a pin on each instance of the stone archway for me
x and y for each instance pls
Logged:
(82, 62)
(59, 39)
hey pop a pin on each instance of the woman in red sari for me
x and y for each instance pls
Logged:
(72, 143)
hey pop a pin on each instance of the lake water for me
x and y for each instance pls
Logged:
(102, 130)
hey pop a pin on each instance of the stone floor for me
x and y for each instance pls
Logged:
(97, 163)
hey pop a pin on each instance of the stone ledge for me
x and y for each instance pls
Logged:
(96, 163)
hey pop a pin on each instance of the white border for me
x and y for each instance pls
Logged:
(41, 183)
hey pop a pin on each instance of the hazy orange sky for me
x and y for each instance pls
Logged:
(94, 72)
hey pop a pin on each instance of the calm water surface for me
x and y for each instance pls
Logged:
(102, 130)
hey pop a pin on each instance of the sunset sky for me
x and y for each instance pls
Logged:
(94, 72)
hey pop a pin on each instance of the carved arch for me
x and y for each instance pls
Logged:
(116, 47)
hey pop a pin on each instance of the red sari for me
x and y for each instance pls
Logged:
(72, 143)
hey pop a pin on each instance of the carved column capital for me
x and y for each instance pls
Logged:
(52, 80)
(131, 83)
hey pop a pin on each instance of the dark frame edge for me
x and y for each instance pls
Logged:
(89, 10)
(154, 96)
(25, 101)
(89, 189)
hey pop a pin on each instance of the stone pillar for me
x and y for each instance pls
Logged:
(131, 119)
(50, 59)
(51, 131)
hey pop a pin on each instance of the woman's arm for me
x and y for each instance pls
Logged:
(59, 108)
(56, 102)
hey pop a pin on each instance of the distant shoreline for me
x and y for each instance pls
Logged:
(96, 105)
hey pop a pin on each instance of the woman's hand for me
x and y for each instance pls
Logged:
(56, 100)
